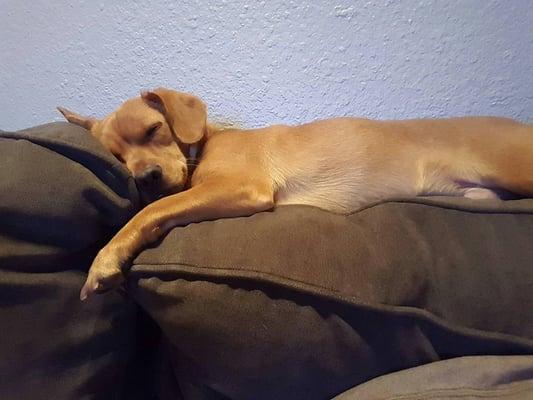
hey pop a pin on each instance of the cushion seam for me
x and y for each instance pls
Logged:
(331, 294)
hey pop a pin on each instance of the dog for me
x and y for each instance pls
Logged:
(340, 165)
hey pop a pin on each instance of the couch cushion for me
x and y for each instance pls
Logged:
(465, 378)
(62, 196)
(300, 303)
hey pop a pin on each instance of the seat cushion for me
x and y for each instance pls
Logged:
(301, 303)
(62, 197)
(465, 378)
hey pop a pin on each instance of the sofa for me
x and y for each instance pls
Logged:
(413, 298)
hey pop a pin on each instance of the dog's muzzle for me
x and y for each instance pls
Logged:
(150, 177)
(149, 182)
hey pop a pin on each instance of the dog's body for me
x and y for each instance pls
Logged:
(339, 165)
(344, 164)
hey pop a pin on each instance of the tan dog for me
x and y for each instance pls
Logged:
(339, 165)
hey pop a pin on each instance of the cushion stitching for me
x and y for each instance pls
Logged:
(352, 300)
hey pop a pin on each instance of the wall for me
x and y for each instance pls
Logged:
(261, 62)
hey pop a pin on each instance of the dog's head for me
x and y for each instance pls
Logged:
(151, 135)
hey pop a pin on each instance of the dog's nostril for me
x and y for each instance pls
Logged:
(150, 176)
(156, 173)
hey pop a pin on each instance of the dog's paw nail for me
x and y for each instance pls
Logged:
(105, 275)
(84, 294)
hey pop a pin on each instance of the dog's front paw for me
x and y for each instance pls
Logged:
(105, 274)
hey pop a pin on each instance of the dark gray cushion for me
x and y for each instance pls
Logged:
(62, 196)
(303, 304)
(465, 378)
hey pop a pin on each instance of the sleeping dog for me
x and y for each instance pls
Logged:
(339, 165)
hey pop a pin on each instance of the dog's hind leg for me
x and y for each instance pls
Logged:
(479, 193)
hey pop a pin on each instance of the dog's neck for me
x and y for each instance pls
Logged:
(194, 151)
(194, 154)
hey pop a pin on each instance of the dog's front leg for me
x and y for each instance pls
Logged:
(206, 201)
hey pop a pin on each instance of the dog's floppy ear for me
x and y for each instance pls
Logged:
(85, 122)
(186, 114)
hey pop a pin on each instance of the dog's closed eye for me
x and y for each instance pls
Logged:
(152, 130)
(119, 157)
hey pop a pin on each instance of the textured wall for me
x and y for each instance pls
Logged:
(260, 62)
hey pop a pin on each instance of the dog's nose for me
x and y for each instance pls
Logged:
(150, 176)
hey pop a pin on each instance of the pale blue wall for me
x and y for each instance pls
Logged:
(261, 62)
